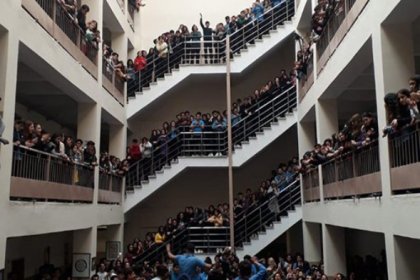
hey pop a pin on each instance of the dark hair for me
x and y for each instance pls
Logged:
(189, 248)
(245, 269)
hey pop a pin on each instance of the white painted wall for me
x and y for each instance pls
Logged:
(160, 16)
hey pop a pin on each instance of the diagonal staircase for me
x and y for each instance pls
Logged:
(250, 136)
(277, 27)
(254, 230)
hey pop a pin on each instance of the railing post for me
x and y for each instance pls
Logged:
(47, 172)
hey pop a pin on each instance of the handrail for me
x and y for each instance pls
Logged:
(269, 20)
(267, 202)
(205, 142)
(49, 155)
(184, 234)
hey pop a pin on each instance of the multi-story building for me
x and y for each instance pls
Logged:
(71, 215)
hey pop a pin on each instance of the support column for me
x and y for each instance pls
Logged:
(306, 136)
(334, 250)
(3, 247)
(312, 242)
(8, 80)
(392, 256)
(113, 233)
(89, 128)
(326, 119)
(84, 242)
(117, 140)
(393, 50)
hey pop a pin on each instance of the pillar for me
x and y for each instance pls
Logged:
(393, 61)
(117, 140)
(393, 255)
(334, 250)
(84, 242)
(88, 128)
(312, 242)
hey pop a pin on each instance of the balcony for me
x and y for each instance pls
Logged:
(112, 83)
(110, 188)
(42, 176)
(62, 27)
(310, 183)
(355, 173)
(336, 29)
(404, 152)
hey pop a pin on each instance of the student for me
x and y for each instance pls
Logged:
(188, 263)
(245, 270)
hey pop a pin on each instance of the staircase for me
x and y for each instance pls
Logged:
(274, 29)
(255, 228)
(262, 239)
(250, 136)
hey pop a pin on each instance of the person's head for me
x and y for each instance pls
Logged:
(79, 143)
(29, 127)
(68, 141)
(245, 269)
(403, 97)
(84, 9)
(94, 277)
(194, 28)
(18, 125)
(93, 25)
(277, 276)
(207, 23)
(198, 116)
(414, 83)
(189, 248)
(227, 19)
(38, 129)
(101, 267)
(367, 119)
(130, 63)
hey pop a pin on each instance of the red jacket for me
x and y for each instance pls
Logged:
(140, 63)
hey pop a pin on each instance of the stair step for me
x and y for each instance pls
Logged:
(160, 79)
(143, 182)
(258, 40)
(259, 133)
(274, 123)
(167, 167)
(168, 75)
(245, 143)
(152, 177)
(153, 83)
(246, 243)
(266, 36)
(138, 187)
(237, 55)
(175, 70)
(160, 171)
(145, 89)
(252, 137)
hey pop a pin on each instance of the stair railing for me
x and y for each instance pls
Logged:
(210, 51)
(181, 141)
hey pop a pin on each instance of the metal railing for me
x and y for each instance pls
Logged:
(68, 33)
(181, 141)
(110, 182)
(255, 220)
(356, 163)
(310, 179)
(249, 222)
(208, 239)
(36, 165)
(197, 51)
(330, 32)
(404, 148)
(131, 14)
(112, 83)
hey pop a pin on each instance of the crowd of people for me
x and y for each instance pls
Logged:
(152, 64)
(29, 137)
(164, 142)
(225, 265)
(217, 216)
(402, 108)
(323, 11)
(360, 131)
